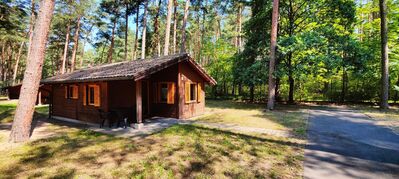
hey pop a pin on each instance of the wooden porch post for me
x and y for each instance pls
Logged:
(139, 106)
(39, 98)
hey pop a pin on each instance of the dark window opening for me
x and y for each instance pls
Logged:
(193, 92)
(164, 92)
(91, 95)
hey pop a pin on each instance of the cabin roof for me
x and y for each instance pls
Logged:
(128, 70)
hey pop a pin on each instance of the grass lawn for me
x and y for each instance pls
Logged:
(389, 117)
(7, 110)
(181, 151)
(284, 117)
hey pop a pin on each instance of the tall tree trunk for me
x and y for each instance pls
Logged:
(14, 78)
(252, 93)
(167, 28)
(143, 35)
(240, 89)
(21, 127)
(136, 41)
(111, 47)
(8, 64)
(343, 87)
(183, 28)
(31, 25)
(64, 57)
(157, 40)
(127, 28)
(82, 55)
(3, 53)
(273, 45)
(290, 79)
(174, 25)
(238, 27)
(384, 56)
(233, 89)
(75, 43)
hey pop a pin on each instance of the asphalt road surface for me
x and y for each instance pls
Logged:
(346, 144)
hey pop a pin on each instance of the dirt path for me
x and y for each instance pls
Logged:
(346, 144)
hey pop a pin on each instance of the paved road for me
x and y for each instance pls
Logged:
(345, 144)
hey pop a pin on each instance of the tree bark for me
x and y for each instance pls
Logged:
(384, 56)
(82, 54)
(31, 25)
(137, 34)
(174, 25)
(127, 29)
(238, 27)
(183, 28)
(273, 45)
(252, 93)
(3, 54)
(167, 29)
(111, 48)
(21, 127)
(290, 80)
(343, 87)
(64, 57)
(75, 43)
(156, 31)
(143, 35)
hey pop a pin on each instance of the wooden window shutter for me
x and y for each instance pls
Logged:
(84, 96)
(97, 96)
(75, 92)
(199, 92)
(66, 92)
(171, 93)
(187, 92)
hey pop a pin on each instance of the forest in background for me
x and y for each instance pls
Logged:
(328, 50)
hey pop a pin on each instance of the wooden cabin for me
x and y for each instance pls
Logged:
(170, 86)
(42, 96)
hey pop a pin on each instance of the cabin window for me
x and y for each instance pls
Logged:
(192, 92)
(166, 92)
(93, 95)
(71, 91)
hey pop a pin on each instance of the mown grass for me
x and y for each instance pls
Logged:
(181, 151)
(284, 117)
(388, 117)
(7, 110)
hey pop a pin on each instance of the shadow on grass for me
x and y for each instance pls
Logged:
(7, 115)
(182, 150)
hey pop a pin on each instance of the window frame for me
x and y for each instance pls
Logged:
(90, 93)
(171, 92)
(194, 92)
(160, 92)
(188, 99)
(69, 90)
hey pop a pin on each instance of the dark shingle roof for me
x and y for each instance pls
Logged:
(135, 70)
